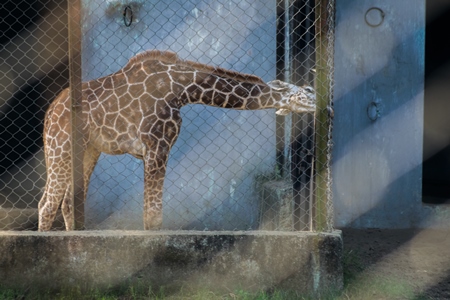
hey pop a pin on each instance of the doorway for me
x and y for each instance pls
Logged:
(436, 152)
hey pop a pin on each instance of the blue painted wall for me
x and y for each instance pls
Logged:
(378, 132)
(212, 167)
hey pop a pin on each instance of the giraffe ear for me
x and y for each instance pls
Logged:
(279, 85)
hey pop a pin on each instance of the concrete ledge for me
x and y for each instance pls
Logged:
(277, 206)
(220, 261)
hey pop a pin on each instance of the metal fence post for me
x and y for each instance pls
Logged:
(299, 61)
(74, 14)
(322, 122)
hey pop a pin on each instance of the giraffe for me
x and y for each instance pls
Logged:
(137, 111)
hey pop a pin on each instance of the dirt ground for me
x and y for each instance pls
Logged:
(418, 257)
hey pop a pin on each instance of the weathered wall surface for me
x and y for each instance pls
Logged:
(220, 261)
(378, 132)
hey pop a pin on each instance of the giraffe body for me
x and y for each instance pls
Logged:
(137, 111)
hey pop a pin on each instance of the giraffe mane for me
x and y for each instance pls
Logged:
(172, 58)
(164, 56)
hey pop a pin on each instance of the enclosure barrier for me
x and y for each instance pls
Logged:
(247, 198)
(229, 170)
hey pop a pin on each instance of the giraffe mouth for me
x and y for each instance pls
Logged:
(299, 99)
(303, 100)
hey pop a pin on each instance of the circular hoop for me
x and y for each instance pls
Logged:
(127, 16)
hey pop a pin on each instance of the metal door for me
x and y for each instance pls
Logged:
(378, 133)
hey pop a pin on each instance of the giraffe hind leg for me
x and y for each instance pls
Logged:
(49, 204)
(67, 209)
(90, 159)
(45, 211)
(57, 188)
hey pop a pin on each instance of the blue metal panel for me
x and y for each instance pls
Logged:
(378, 133)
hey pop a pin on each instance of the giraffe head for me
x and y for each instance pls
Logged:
(299, 99)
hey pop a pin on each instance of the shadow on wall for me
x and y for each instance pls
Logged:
(34, 70)
(384, 205)
(372, 157)
(177, 262)
(436, 166)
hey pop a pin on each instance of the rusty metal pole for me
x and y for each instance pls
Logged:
(74, 15)
(299, 57)
(280, 127)
(323, 119)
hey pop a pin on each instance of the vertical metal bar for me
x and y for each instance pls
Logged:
(74, 14)
(302, 60)
(308, 60)
(280, 121)
(322, 121)
(300, 203)
(287, 40)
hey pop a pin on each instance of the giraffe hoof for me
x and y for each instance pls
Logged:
(153, 221)
(155, 228)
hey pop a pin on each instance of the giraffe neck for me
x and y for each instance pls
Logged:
(196, 83)
(229, 91)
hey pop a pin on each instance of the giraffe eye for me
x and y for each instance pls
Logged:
(309, 89)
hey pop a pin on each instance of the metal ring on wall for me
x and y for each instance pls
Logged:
(128, 16)
(373, 110)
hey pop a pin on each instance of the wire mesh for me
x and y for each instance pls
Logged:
(229, 169)
(33, 63)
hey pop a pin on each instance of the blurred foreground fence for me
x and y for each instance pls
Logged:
(229, 170)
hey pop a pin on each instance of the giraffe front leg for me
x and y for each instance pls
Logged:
(153, 212)
(154, 172)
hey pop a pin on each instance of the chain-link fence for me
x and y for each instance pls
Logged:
(229, 169)
(33, 70)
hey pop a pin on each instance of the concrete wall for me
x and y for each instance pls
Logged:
(309, 263)
(210, 177)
